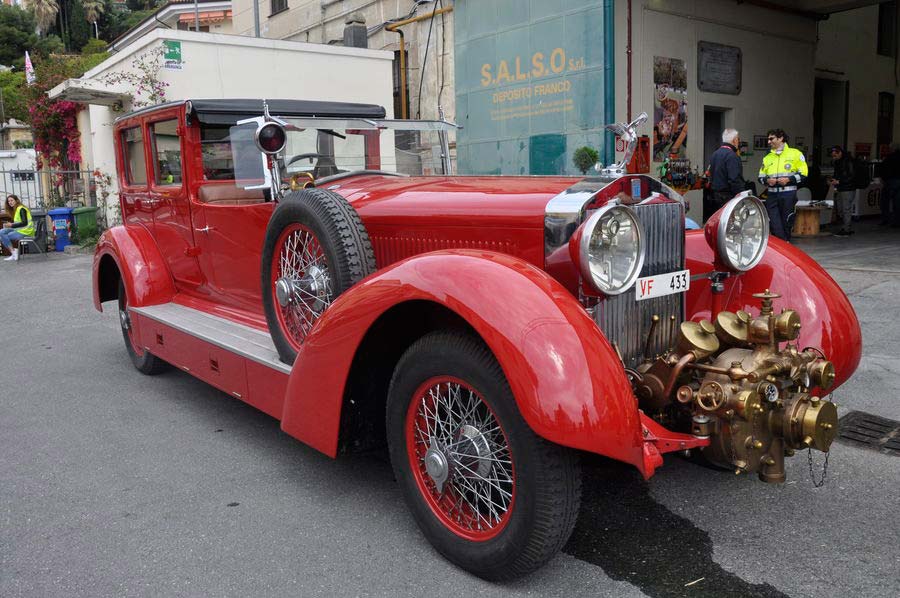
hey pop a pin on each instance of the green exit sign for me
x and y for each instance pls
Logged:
(172, 54)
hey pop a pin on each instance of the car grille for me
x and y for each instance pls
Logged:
(625, 321)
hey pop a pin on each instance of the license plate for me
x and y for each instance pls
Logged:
(660, 285)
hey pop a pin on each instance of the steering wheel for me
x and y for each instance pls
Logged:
(310, 156)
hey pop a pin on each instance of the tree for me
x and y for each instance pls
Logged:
(584, 158)
(94, 46)
(12, 86)
(115, 22)
(45, 12)
(92, 11)
(17, 35)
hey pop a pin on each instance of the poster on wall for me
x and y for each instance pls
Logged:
(534, 85)
(669, 108)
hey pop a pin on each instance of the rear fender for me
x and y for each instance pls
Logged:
(567, 380)
(130, 252)
(829, 320)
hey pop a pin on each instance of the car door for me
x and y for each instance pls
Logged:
(172, 223)
(229, 219)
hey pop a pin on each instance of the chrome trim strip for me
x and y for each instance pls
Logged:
(565, 212)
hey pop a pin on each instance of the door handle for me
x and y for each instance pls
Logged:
(205, 229)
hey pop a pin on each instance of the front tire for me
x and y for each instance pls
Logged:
(144, 361)
(487, 492)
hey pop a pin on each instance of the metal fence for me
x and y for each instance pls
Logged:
(46, 189)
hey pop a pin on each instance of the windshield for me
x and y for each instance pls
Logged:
(230, 154)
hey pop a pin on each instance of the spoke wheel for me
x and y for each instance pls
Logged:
(488, 493)
(301, 281)
(143, 361)
(460, 458)
(316, 247)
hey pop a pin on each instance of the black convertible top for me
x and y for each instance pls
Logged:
(228, 111)
(220, 111)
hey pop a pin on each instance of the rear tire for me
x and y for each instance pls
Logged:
(487, 492)
(144, 361)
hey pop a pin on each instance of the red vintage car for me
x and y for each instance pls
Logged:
(487, 330)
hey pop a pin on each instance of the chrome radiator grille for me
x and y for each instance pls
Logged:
(626, 321)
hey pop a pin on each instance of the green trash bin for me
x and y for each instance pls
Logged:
(85, 222)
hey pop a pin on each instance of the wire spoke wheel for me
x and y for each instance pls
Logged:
(487, 492)
(144, 361)
(316, 248)
(301, 281)
(460, 458)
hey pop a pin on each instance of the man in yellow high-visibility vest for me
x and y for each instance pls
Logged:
(782, 171)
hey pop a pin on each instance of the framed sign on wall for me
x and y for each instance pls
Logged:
(719, 68)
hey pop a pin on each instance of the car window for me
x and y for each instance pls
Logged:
(324, 152)
(135, 165)
(216, 151)
(166, 152)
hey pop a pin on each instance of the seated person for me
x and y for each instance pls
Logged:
(21, 225)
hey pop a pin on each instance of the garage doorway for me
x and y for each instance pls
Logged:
(715, 120)
(713, 125)
(829, 118)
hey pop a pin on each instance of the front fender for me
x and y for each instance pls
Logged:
(567, 380)
(829, 320)
(134, 253)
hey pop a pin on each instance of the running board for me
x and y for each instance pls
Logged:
(247, 342)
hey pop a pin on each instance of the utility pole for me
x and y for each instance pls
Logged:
(196, 16)
(256, 17)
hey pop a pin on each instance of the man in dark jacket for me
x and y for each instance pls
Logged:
(844, 183)
(726, 170)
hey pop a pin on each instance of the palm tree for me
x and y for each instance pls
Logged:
(92, 11)
(45, 12)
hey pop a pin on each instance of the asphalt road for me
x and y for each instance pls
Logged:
(117, 484)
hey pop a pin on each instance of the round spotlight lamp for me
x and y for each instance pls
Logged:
(611, 252)
(270, 138)
(743, 233)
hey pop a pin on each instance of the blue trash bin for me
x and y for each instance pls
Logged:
(62, 226)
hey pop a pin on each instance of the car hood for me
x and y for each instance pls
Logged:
(451, 201)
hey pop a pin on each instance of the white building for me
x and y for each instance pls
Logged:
(223, 66)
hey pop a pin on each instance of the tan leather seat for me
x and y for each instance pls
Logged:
(229, 195)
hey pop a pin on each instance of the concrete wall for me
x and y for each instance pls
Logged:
(228, 66)
(778, 58)
(322, 22)
(847, 52)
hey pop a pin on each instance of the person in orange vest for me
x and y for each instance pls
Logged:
(22, 225)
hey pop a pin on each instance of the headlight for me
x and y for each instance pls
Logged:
(743, 233)
(612, 249)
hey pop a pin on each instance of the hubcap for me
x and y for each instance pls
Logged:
(124, 319)
(313, 286)
(438, 467)
(461, 459)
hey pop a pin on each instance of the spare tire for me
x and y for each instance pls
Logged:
(316, 247)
